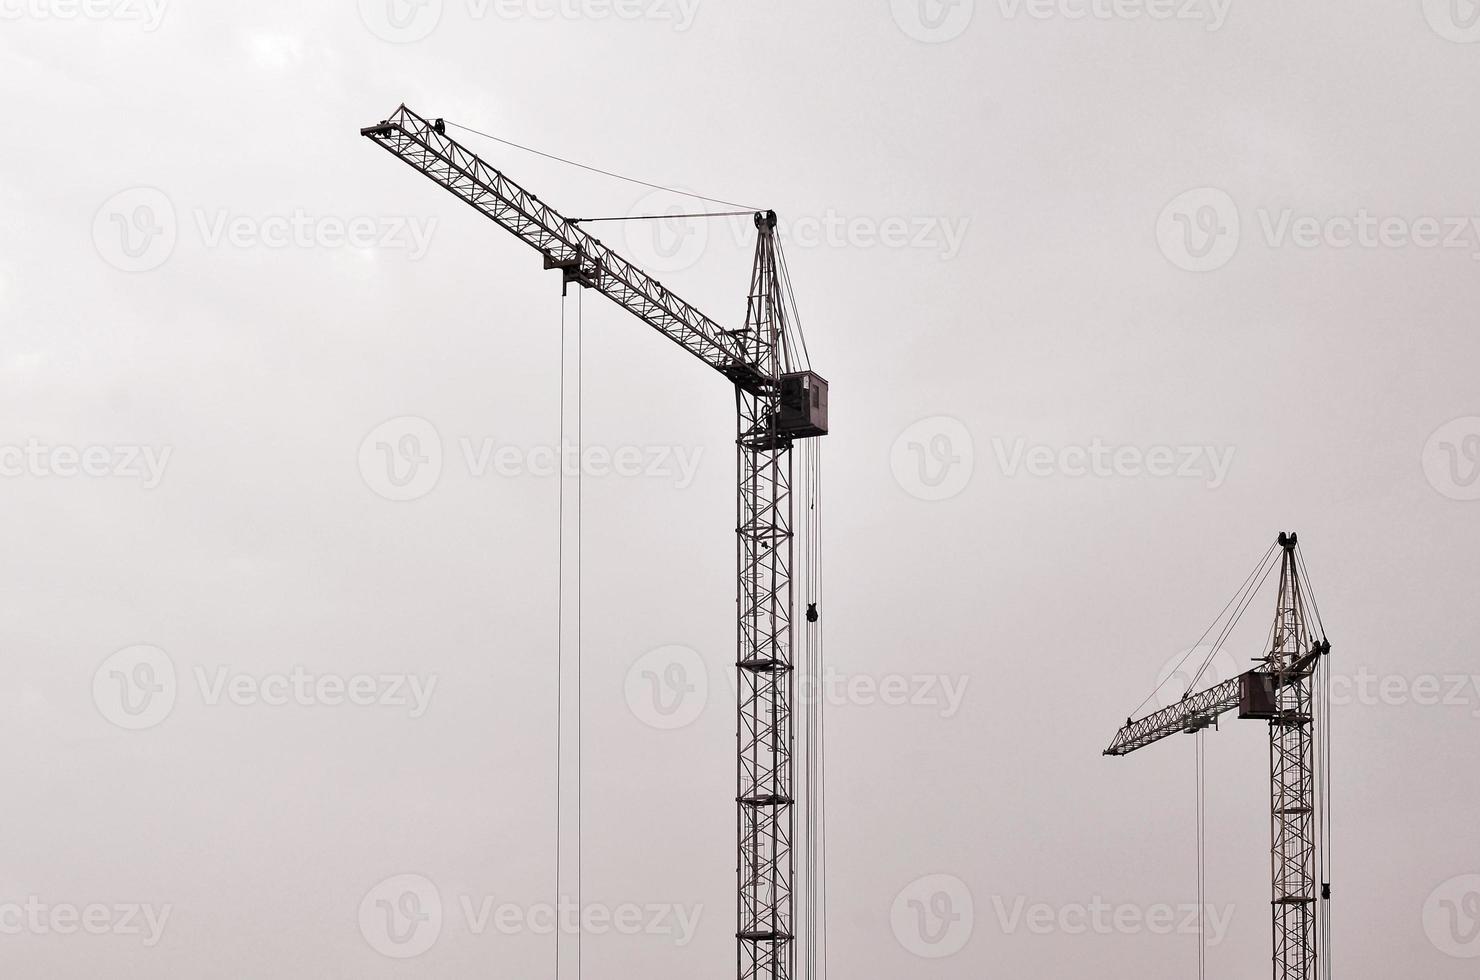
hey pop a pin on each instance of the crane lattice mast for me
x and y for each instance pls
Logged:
(778, 401)
(1281, 691)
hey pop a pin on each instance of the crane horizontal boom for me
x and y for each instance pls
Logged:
(581, 257)
(1250, 692)
(1189, 714)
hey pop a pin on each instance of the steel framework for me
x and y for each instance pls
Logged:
(758, 360)
(1279, 690)
(766, 772)
(1292, 783)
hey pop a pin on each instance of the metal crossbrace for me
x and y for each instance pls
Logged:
(765, 800)
(584, 258)
(1292, 786)
(1192, 712)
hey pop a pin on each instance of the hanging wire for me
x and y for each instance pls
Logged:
(580, 692)
(1324, 781)
(560, 657)
(595, 170)
(1245, 590)
(815, 450)
(1200, 754)
(1233, 623)
(658, 217)
(797, 339)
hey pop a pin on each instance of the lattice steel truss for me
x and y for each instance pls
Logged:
(1292, 782)
(765, 799)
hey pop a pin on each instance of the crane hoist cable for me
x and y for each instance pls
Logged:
(569, 340)
(814, 951)
(1200, 812)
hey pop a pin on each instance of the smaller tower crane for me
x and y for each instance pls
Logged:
(1282, 691)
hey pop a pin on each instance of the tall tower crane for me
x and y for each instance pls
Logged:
(1280, 690)
(779, 401)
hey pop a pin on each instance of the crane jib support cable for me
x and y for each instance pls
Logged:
(780, 401)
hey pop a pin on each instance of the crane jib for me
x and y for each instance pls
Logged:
(582, 258)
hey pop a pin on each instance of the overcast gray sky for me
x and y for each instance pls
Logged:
(1109, 293)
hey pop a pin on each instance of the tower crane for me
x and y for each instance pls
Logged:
(779, 401)
(1282, 691)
